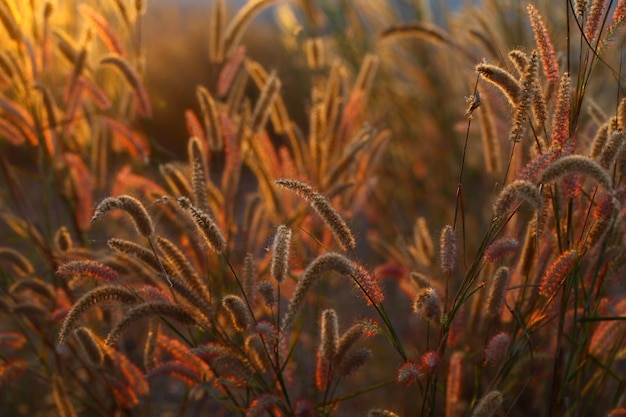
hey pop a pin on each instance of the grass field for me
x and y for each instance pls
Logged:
(312, 208)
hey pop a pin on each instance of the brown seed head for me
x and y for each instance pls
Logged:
(501, 79)
(576, 164)
(612, 148)
(447, 249)
(329, 327)
(557, 272)
(546, 50)
(428, 304)
(170, 311)
(497, 291)
(267, 293)
(322, 206)
(517, 190)
(560, 120)
(63, 239)
(18, 261)
(280, 253)
(489, 405)
(316, 269)
(94, 297)
(523, 104)
(90, 344)
(353, 361)
(210, 232)
(132, 206)
(238, 312)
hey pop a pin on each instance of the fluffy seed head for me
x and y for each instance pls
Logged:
(576, 164)
(184, 269)
(316, 269)
(527, 93)
(249, 279)
(423, 240)
(91, 269)
(267, 293)
(18, 261)
(619, 13)
(238, 311)
(546, 50)
(94, 297)
(496, 348)
(366, 283)
(170, 311)
(256, 351)
(489, 405)
(329, 327)
(497, 291)
(132, 206)
(144, 107)
(210, 232)
(537, 164)
(520, 59)
(613, 146)
(139, 252)
(322, 206)
(594, 20)
(238, 24)
(63, 239)
(212, 126)
(560, 120)
(501, 248)
(337, 225)
(408, 373)
(429, 362)
(90, 344)
(263, 107)
(599, 140)
(197, 160)
(517, 190)
(353, 361)
(447, 249)
(501, 79)
(603, 216)
(348, 340)
(280, 253)
(268, 332)
(557, 272)
(428, 304)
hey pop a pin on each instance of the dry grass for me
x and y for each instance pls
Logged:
(286, 266)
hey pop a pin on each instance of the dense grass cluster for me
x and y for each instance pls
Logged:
(288, 264)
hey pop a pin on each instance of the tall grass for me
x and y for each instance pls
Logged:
(289, 267)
